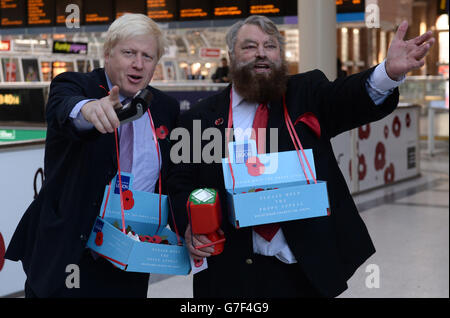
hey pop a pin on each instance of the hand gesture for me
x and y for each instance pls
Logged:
(101, 112)
(404, 56)
(198, 240)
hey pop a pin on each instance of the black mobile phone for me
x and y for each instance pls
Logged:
(136, 107)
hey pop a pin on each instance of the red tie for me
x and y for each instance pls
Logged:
(266, 231)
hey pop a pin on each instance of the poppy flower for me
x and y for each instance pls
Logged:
(162, 132)
(408, 120)
(389, 174)
(128, 201)
(380, 156)
(99, 239)
(396, 126)
(386, 131)
(254, 167)
(156, 239)
(219, 121)
(198, 262)
(145, 238)
(362, 167)
(364, 132)
(2, 252)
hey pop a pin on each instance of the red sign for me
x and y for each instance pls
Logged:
(11, 72)
(209, 52)
(5, 45)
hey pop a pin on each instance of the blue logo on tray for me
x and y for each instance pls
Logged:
(125, 184)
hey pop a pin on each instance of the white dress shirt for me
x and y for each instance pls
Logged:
(379, 87)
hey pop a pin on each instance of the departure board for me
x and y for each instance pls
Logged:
(290, 8)
(162, 10)
(265, 7)
(41, 12)
(229, 9)
(98, 12)
(74, 9)
(130, 6)
(348, 6)
(12, 13)
(195, 9)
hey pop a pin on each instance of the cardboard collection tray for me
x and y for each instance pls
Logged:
(142, 217)
(271, 187)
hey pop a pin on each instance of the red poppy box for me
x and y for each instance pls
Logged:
(272, 187)
(146, 245)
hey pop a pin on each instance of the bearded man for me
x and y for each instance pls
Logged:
(302, 258)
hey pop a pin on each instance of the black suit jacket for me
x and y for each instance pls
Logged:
(54, 230)
(329, 249)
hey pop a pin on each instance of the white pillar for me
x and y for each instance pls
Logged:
(317, 31)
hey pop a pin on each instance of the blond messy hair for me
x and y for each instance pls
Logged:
(130, 25)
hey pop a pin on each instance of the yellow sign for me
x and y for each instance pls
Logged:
(9, 99)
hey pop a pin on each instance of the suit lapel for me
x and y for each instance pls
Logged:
(218, 115)
(275, 122)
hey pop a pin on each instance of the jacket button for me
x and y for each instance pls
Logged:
(249, 261)
(83, 237)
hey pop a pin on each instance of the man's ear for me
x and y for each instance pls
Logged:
(230, 57)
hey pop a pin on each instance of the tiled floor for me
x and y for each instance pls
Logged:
(409, 224)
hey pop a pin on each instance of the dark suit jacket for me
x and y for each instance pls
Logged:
(328, 249)
(54, 230)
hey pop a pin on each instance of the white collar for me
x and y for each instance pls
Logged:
(238, 100)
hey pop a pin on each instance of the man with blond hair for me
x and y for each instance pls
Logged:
(80, 160)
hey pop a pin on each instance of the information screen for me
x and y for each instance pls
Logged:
(229, 9)
(129, 6)
(74, 11)
(348, 6)
(24, 105)
(98, 12)
(12, 13)
(195, 9)
(41, 12)
(266, 7)
(162, 10)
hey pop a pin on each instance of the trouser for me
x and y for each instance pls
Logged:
(98, 279)
(264, 277)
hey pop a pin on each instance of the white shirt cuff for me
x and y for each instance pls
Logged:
(381, 81)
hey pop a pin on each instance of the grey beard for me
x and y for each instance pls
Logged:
(259, 88)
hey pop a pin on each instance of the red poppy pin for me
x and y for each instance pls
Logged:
(99, 239)
(219, 121)
(128, 200)
(162, 132)
(254, 167)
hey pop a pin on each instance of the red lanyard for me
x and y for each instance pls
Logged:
(120, 176)
(120, 180)
(292, 133)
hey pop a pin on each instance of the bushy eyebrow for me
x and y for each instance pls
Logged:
(250, 41)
